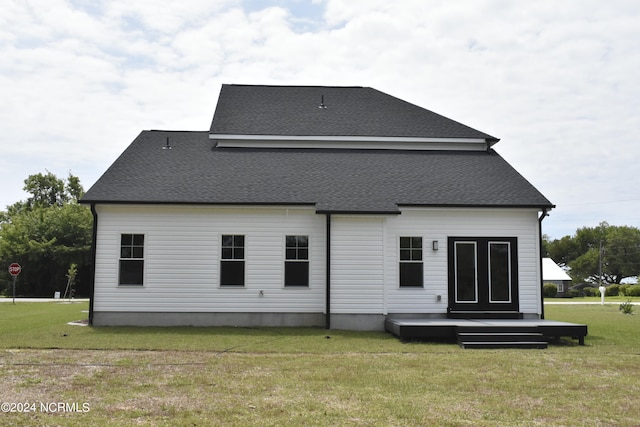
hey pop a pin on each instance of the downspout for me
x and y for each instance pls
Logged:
(328, 275)
(94, 239)
(544, 214)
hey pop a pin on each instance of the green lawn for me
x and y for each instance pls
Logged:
(607, 299)
(281, 376)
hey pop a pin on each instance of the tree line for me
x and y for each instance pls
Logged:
(50, 233)
(605, 253)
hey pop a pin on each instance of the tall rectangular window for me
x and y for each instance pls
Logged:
(296, 265)
(232, 260)
(466, 271)
(499, 272)
(411, 264)
(131, 271)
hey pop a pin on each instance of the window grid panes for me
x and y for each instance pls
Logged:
(233, 247)
(411, 262)
(296, 266)
(131, 263)
(132, 246)
(232, 263)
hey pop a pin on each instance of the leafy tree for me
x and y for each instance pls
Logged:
(45, 190)
(46, 234)
(607, 253)
(562, 251)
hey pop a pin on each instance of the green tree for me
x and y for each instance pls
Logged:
(608, 253)
(46, 234)
(45, 190)
(563, 250)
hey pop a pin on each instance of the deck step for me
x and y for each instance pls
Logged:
(496, 339)
(499, 328)
(462, 314)
(425, 329)
(514, 344)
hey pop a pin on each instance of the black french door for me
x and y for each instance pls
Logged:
(483, 274)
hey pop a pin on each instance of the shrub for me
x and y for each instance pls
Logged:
(626, 307)
(633, 291)
(549, 290)
(612, 290)
(590, 292)
(624, 289)
(572, 293)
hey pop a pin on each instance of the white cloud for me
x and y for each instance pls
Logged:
(555, 80)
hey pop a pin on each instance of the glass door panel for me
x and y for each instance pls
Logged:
(466, 272)
(499, 272)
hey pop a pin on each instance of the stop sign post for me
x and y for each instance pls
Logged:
(14, 270)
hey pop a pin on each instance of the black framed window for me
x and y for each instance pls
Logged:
(296, 265)
(131, 264)
(232, 260)
(411, 263)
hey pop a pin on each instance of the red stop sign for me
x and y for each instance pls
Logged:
(15, 269)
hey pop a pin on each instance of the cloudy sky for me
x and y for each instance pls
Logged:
(557, 81)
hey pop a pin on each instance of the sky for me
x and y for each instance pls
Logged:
(557, 81)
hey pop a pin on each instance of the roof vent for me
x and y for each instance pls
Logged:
(322, 105)
(167, 146)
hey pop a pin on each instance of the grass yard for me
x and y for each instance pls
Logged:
(607, 299)
(279, 376)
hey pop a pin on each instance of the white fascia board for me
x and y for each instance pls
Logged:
(349, 142)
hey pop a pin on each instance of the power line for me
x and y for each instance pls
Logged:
(599, 203)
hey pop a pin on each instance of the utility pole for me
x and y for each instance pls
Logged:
(600, 264)
(601, 288)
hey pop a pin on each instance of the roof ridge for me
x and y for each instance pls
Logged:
(297, 86)
(176, 131)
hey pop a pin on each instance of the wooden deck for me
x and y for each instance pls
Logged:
(430, 329)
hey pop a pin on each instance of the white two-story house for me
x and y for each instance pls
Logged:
(314, 206)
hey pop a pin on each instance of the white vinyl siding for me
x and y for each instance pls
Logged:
(182, 258)
(440, 223)
(357, 264)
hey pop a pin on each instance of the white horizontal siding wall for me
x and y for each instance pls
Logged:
(439, 224)
(357, 264)
(182, 245)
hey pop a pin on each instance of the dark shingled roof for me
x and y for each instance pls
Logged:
(333, 180)
(350, 111)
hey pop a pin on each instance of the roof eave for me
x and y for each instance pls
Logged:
(347, 142)
(546, 207)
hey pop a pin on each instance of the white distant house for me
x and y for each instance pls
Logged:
(314, 206)
(552, 273)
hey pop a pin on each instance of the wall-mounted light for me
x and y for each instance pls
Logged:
(435, 245)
